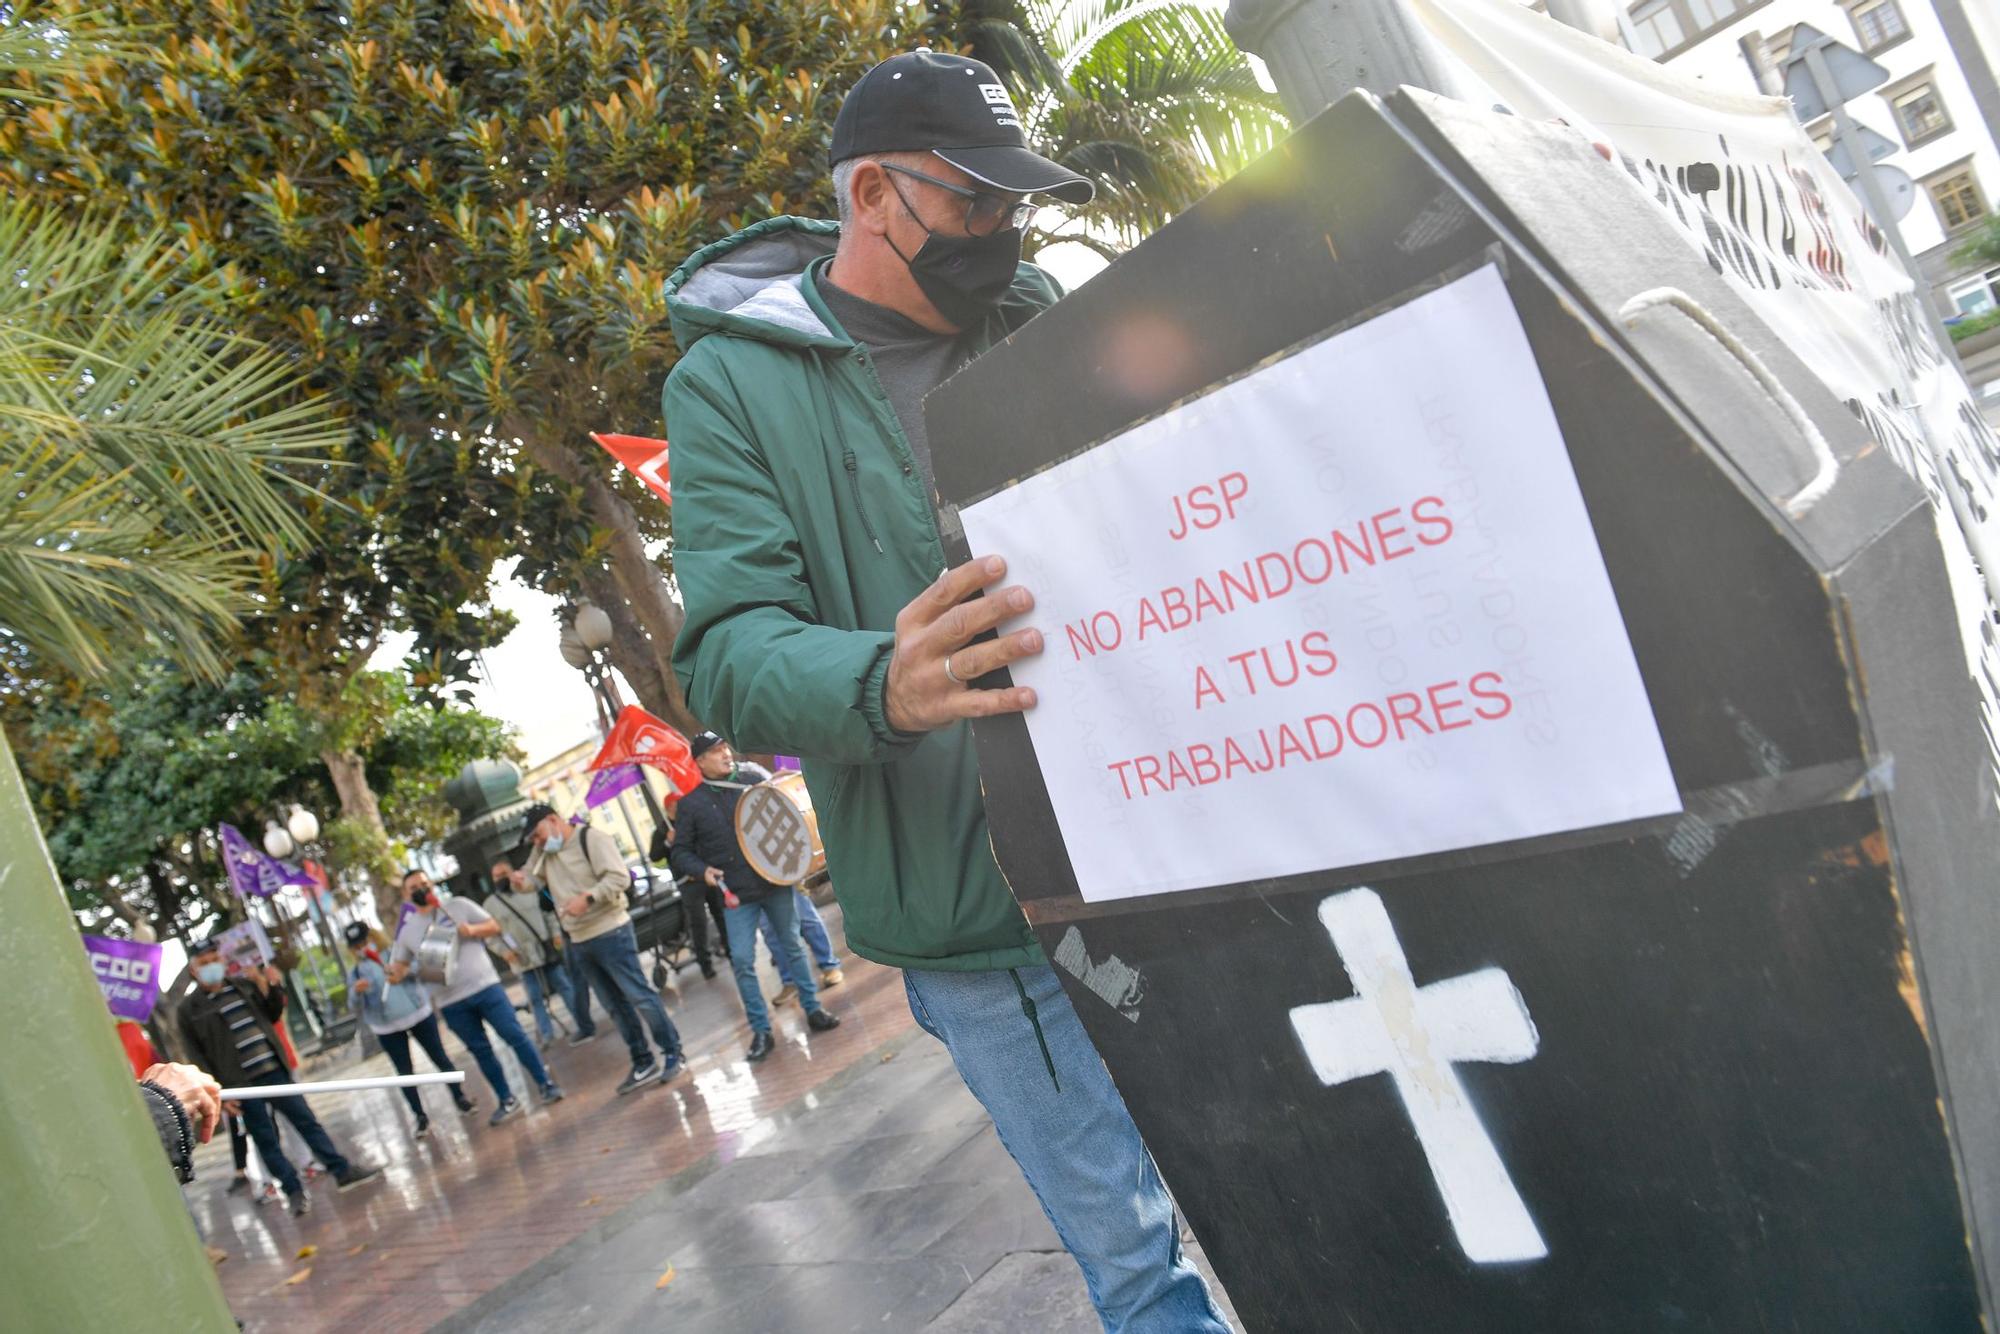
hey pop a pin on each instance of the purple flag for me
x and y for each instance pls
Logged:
(251, 870)
(128, 973)
(785, 763)
(609, 781)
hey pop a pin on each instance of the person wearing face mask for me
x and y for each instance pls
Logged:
(587, 879)
(229, 1026)
(818, 624)
(473, 1001)
(395, 1013)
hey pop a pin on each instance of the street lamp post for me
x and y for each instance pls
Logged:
(584, 641)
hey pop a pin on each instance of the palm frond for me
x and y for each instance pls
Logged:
(153, 458)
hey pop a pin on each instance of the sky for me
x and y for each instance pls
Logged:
(528, 685)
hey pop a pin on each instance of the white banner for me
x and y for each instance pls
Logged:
(1744, 186)
(1299, 649)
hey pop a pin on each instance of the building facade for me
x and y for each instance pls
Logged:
(1940, 109)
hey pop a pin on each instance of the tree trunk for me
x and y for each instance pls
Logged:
(631, 589)
(349, 772)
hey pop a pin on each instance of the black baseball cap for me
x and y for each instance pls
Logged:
(957, 108)
(702, 743)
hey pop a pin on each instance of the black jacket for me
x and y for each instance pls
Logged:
(207, 1035)
(705, 836)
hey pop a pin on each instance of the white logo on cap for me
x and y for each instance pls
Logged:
(1000, 104)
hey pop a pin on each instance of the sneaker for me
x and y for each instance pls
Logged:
(673, 1067)
(269, 1195)
(423, 1125)
(301, 1204)
(708, 969)
(832, 977)
(641, 1076)
(238, 1186)
(760, 1047)
(466, 1107)
(819, 1021)
(552, 1093)
(578, 1039)
(785, 993)
(506, 1111)
(356, 1176)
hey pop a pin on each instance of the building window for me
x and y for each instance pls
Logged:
(1956, 194)
(1664, 28)
(1878, 23)
(1976, 296)
(1919, 112)
(1655, 28)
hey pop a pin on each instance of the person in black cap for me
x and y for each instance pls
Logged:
(818, 624)
(706, 851)
(395, 1013)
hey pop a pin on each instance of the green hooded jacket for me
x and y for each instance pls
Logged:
(802, 527)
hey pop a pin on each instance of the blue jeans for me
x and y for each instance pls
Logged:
(557, 980)
(780, 915)
(611, 962)
(811, 929)
(1078, 1147)
(578, 994)
(257, 1119)
(490, 1008)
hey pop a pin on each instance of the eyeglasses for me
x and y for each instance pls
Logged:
(985, 211)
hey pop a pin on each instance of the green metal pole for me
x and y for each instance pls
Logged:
(97, 1236)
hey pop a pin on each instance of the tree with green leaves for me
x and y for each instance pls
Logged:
(1151, 100)
(131, 781)
(460, 214)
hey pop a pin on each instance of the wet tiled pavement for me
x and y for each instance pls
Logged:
(848, 1182)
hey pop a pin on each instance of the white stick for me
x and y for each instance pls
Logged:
(340, 1086)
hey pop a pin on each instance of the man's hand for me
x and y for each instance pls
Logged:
(713, 876)
(932, 635)
(575, 906)
(398, 971)
(200, 1096)
(360, 985)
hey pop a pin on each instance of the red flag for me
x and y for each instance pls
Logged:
(646, 458)
(640, 738)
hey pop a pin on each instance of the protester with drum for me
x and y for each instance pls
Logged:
(707, 848)
(444, 943)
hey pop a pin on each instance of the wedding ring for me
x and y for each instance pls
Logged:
(949, 672)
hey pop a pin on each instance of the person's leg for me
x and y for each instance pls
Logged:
(538, 1005)
(425, 1031)
(397, 1045)
(1077, 1147)
(295, 1110)
(462, 1018)
(767, 927)
(781, 911)
(813, 931)
(598, 955)
(622, 962)
(555, 980)
(579, 991)
(741, 922)
(498, 1012)
(257, 1120)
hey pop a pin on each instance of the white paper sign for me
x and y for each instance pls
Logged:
(1346, 609)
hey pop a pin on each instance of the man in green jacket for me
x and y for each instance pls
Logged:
(818, 623)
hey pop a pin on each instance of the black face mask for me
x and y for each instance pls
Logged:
(963, 276)
(421, 897)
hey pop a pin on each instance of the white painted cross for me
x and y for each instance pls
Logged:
(1413, 1035)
